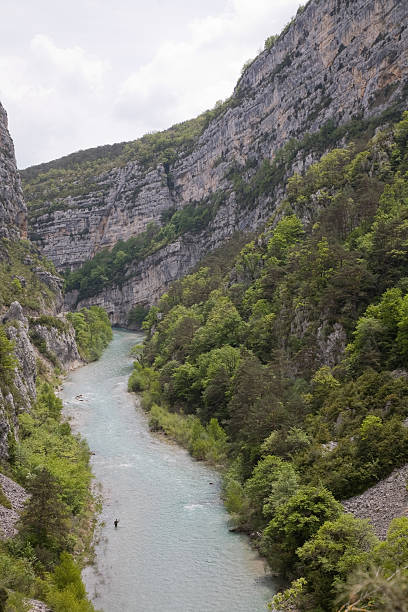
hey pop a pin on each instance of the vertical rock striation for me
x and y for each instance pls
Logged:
(338, 61)
(58, 346)
(13, 212)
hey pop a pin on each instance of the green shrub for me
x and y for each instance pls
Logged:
(4, 500)
(296, 522)
(93, 331)
(66, 592)
(337, 549)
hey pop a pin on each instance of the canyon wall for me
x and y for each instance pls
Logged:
(13, 212)
(339, 61)
(25, 277)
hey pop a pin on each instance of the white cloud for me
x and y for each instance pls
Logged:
(185, 77)
(67, 64)
(62, 96)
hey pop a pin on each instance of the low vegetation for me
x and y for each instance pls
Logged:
(42, 561)
(19, 278)
(294, 361)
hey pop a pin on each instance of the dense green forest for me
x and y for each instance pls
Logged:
(289, 370)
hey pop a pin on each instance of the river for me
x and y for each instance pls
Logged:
(172, 551)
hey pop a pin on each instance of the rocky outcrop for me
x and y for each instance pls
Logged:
(38, 606)
(339, 60)
(13, 212)
(59, 349)
(61, 344)
(50, 343)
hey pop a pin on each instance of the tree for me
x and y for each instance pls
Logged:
(296, 522)
(66, 592)
(254, 408)
(373, 590)
(3, 599)
(272, 483)
(216, 371)
(223, 326)
(338, 548)
(393, 553)
(45, 519)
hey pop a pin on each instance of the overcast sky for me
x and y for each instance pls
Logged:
(80, 73)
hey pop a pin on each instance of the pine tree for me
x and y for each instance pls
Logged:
(45, 520)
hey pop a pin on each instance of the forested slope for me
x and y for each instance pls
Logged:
(300, 354)
(130, 218)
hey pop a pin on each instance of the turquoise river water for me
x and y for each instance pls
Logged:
(172, 551)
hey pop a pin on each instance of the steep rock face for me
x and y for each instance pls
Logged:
(41, 290)
(147, 280)
(125, 200)
(61, 346)
(13, 212)
(338, 60)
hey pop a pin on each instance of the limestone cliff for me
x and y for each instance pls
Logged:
(13, 213)
(337, 64)
(30, 303)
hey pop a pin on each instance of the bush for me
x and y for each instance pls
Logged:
(66, 592)
(296, 522)
(93, 331)
(334, 552)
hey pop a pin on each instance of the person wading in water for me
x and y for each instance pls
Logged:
(115, 522)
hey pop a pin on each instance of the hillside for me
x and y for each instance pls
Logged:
(264, 245)
(337, 71)
(291, 369)
(45, 477)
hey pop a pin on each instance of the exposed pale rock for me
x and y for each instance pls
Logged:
(26, 371)
(13, 212)
(386, 500)
(61, 344)
(15, 312)
(338, 60)
(38, 606)
(332, 346)
(9, 516)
